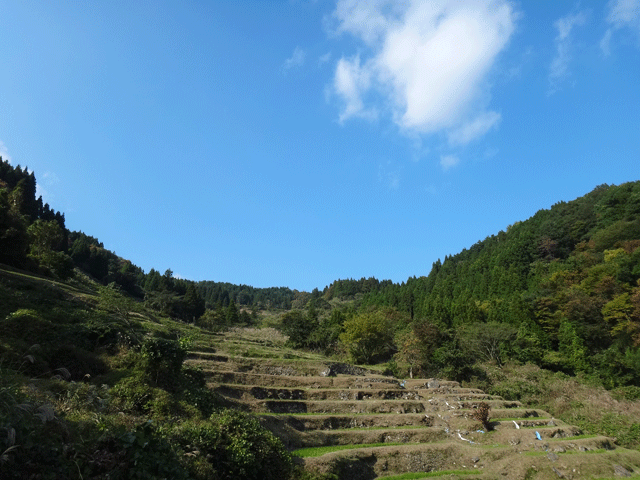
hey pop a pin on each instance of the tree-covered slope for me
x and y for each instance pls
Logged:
(566, 280)
(34, 237)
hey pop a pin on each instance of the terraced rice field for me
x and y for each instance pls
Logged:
(362, 425)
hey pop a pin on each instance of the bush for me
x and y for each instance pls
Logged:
(28, 325)
(630, 392)
(162, 362)
(196, 392)
(232, 445)
(515, 390)
(30, 432)
(298, 327)
(141, 453)
(131, 394)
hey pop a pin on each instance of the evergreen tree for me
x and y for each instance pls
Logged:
(232, 315)
(193, 303)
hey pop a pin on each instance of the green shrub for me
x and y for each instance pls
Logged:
(102, 331)
(368, 337)
(453, 363)
(630, 392)
(515, 390)
(140, 453)
(196, 393)
(162, 362)
(81, 396)
(27, 324)
(30, 432)
(392, 368)
(163, 405)
(131, 394)
(232, 445)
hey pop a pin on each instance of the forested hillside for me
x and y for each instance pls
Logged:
(559, 290)
(34, 237)
(562, 286)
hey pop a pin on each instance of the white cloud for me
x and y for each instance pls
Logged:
(4, 152)
(324, 58)
(350, 82)
(362, 18)
(428, 61)
(622, 14)
(391, 178)
(296, 59)
(605, 43)
(394, 181)
(448, 161)
(559, 68)
(475, 128)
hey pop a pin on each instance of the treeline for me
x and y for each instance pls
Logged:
(217, 294)
(350, 288)
(30, 233)
(34, 237)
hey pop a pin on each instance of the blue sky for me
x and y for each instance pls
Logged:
(293, 143)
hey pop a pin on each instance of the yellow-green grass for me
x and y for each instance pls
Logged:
(319, 451)
(441, 473)
(569, 452)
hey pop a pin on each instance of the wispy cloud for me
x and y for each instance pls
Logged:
(605, 42)
(295, 60)
(427, 65)
(475, 128)
(389, 176)
(46, 184)
(559, 68)
(448, 161)
(621, 14)
(324, 58)
(491, 152)
(4, 152)
(624, 13)
(350, 82)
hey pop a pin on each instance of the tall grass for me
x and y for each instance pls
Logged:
(580, 401)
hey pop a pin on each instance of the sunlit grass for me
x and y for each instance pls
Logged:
(441, 473)
(319, 451)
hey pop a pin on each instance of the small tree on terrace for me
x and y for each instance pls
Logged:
(368, 337)
(416, 346)
(299, 327)
(112, 299)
